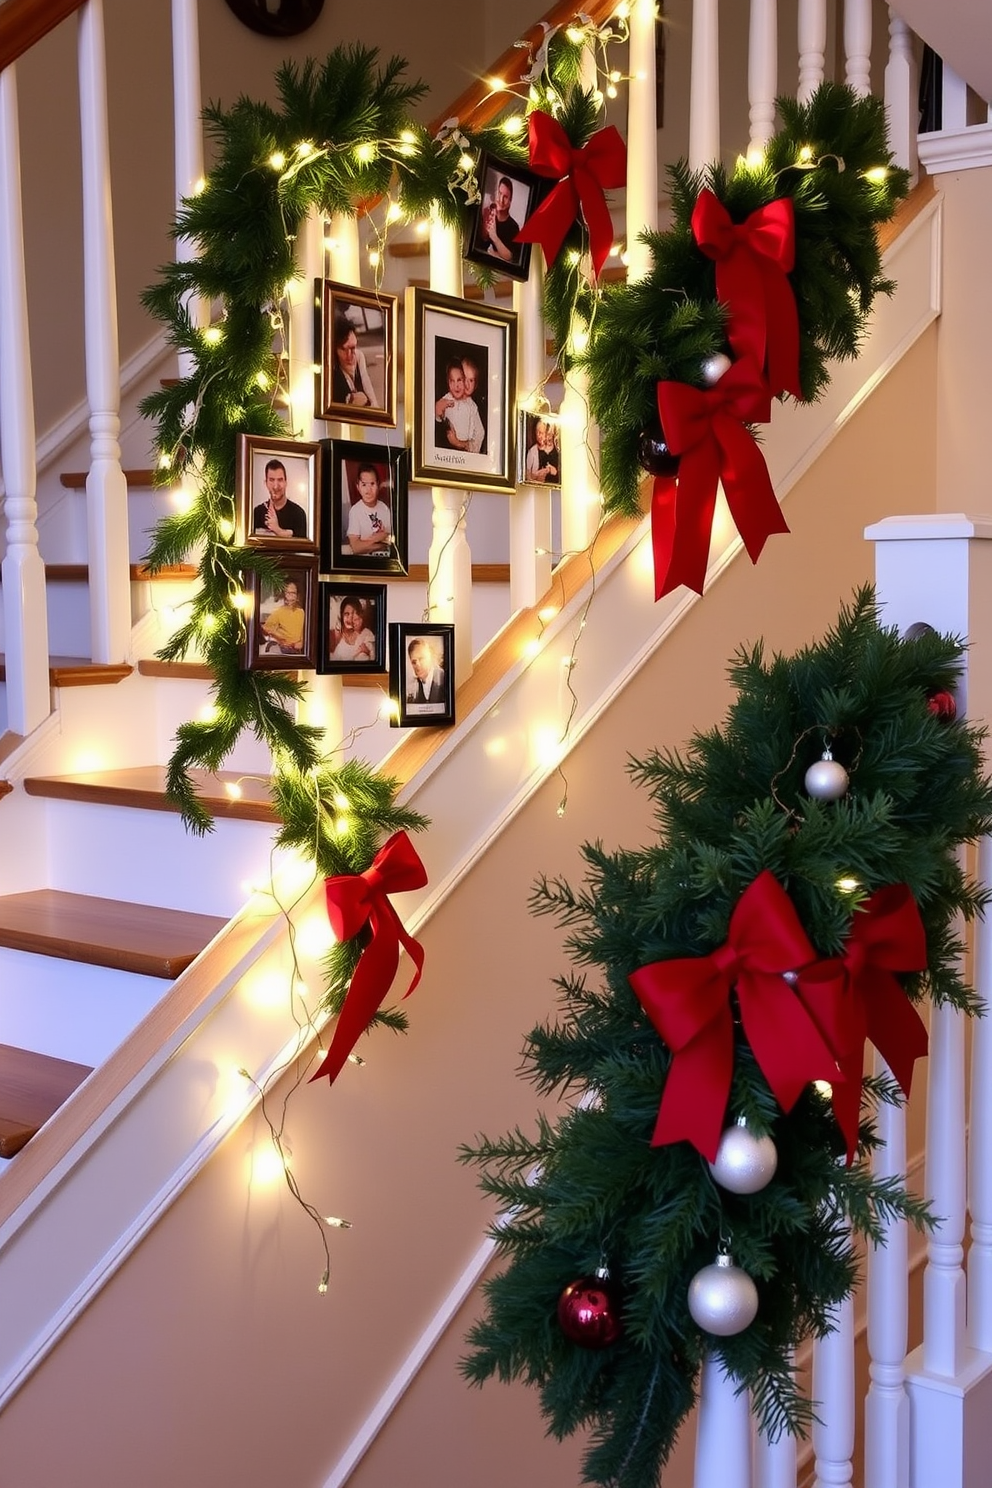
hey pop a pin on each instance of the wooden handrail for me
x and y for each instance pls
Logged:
(23, 22)
(479, 103)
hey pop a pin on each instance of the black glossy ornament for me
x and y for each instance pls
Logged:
(653, 454)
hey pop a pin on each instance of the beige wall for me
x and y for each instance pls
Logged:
(209, 1358)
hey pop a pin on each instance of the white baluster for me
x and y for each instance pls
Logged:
(723, 1432)
(857, 45)
(944, 1281)
(642, 138)
(833, 1395)
(449, 562)
(24, 609)
(530, 506)
(581, 498)
(704, 95)
(187, 106)
(106, 488)
(953, 100)
(812, 47)
(762, 71)
(901, 95)
(980, 1147)
(775, 1463)
(323, 701)
(887, 1404)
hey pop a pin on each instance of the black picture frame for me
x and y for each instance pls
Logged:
(525, 193)
(407, 641)
(368, 656)
(273, 650)
(344, 483)
(346, 316)
(256, 485)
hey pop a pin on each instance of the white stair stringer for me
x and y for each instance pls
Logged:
(109, 1163)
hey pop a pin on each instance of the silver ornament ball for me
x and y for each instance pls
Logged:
(744, 1163)
(714, 367)
(827, 780)
(722, 1298)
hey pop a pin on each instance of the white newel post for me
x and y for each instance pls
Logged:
(762, 71)
(187, 106)
(953, 100)
(980, 1145)
(642, 138)
(24, 610)
(938, 570)
(833, 1394)
(530, 506)
(812, 47)
(723, 1430)
(901, 96)
(449, 562)
(857, 45)
(704, 84)
(106, 488)
(887, 1404)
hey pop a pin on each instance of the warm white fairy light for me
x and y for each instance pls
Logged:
(513, 125)
(164, 462)
(548, 613)
(848, 884)
(213, 335)
(336, 1222)
(208, 713)
(531, 648)
(277, 160)
(365, 152)
(199, 185)
(575, 35)
(876, 175)
(375, 257)
(394, 212)
(305, 148)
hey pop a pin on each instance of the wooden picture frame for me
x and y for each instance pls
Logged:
(354, 354)
(421, 659)
(276, 511)
(508, 194)
(539, 450)
(352, 627)
(461, 361)
(353, 505)
(281, 629)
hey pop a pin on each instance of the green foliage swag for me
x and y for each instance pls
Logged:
(589, 1187)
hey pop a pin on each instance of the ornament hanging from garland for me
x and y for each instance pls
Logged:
(589, 1311)
(723, 1299)
(827, 780)
(745, 1163)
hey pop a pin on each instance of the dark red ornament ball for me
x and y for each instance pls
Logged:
(653, 454)
(589, 1312)
(942, 705)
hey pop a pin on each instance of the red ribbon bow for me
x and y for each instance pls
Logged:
(706, 428)
(688, 1001)
(354, 900)
(856, 997)
(583, 176)
(753, 259)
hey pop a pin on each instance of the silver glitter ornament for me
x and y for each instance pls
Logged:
(714, 367)
(744, 1163)
(827, 780)
(722, 1298)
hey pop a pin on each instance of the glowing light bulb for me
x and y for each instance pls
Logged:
(277, 160)
(266, 1166)
(580, 336)
(876, 175)
(755, 158)
(164, 462)
(341, 801)
(572, 257)
(408, 137)
(342, 826)
(233, 790)
(213, 335)
(615, 77)
(199, 186)
(824, 1088)
(304, 148)
(375, 257)
(263, 381)
(531, 648)
(805, 154)
(208, 622)
(547, 745)
(623, 10)
(465, 161)
(323, 1284)
(365, 152)
(514, 124)
(575, 35)
(240, 600)
(394, 212)
(423, 227)
(389, 708)
(496, 84)
(848, 884)
(208, 713)
(548, 613)
(611, 90)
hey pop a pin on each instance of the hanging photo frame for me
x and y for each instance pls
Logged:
(354, 354)
(352, 627)
(539, 449)
(365, 505)
(421, 675)
(278, 492)
(281, 629)
(508, 196)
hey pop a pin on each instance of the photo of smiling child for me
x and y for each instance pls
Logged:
(458, 422)
(368, 523)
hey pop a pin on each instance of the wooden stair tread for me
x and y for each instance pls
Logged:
(76, 671)
(75, 480)
(79, 573)
(143, 787)
(32, 1087)
(142, 938)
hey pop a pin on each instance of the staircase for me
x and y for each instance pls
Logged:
(179, 957)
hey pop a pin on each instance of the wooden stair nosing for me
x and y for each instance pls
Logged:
(5, 788)
(32, 1087)
(143, 788)
(141, 938)
(76, 671)
(79, 573)
(75, 480)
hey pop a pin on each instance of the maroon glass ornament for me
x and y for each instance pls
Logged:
(942, 705)
(589, 1311)
(653, 454)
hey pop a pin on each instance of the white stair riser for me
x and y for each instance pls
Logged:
(70, 1009)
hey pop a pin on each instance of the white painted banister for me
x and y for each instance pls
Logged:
(857, 45)
(775, 1463)
(704, 97)
(944, 1281)
(723, 1432)
(187, 107)
(762, 71)
(530, 506)
(980, 1145)
(887, 1404)
(833, 1392)
(812, 47)
(106, 488)
(25, 614)
(642, 137)
(901, 106)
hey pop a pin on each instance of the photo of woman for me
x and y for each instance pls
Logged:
(353, 628)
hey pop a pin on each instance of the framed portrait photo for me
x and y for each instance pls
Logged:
(508, 196)
(365, 508)
(539, 449)
(278, 491)
(421, 675)
(354, 354)
(352, 627)
(282, 617)
(462, 369)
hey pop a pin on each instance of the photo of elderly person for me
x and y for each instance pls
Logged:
(283, 626)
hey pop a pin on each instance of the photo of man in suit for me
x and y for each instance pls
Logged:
(426, 684)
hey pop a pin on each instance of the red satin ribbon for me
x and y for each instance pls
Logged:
(583, 176)
(688, 1001)
(706, 428)
(753, 259)
(354, 900)
(856, 997)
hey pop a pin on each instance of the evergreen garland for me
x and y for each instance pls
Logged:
(832, 159)
(589, 1187)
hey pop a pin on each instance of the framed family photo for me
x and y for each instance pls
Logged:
(278, 492)
(281, 632)
(539, 450)
(461, 386)
(365, 508)
(352, 627)
(421, 674)
(354, 354)
(508, 196)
